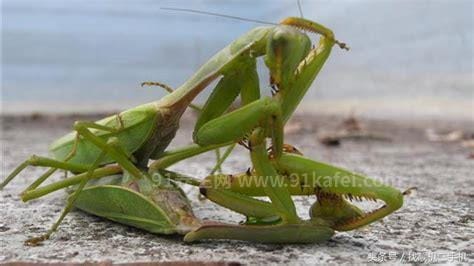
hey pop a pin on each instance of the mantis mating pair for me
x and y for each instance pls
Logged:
(142, 197)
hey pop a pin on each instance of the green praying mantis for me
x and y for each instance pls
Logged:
(110, 157)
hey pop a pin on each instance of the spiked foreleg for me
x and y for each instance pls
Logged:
(330, 182)
(237, 125)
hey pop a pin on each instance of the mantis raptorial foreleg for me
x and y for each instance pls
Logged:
(244, 82)
(216, 191)
(293, 66)
(239, 123)
(146, 130)
(334, 187)
(330, 180)
(236, 193)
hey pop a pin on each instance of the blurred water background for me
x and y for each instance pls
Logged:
(408, 57)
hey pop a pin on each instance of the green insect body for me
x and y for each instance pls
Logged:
(167, 211)
(140, 133)
(135, 136)
(156, 205)
(132, 137)
(138, 126)
(335, 188)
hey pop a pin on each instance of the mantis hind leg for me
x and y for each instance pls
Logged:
(217, 189)
(47, 162)
(273, 184)
(111, 148)
(70, 204)
(35, 160)
(40, 161)
(98, 173)
(304, 232)
(221, 158)
(256, 211)
(171, 157)
(266, 229)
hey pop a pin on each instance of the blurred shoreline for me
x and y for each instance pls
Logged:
(416, 108)
(91, 56)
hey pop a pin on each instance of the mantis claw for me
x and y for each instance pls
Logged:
(36, 241)
(159, 84)
(274, 89)
(287, 148)
(245, 143)
(409, 191)
(342, 45)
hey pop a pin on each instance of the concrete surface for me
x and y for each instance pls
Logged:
(436, 221)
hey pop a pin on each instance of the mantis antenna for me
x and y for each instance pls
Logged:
(217, 15)
(298, 2)
(342, 45)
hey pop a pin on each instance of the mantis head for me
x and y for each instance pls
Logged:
(293, 61)
(286, 48)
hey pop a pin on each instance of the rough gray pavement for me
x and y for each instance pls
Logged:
(436, 221)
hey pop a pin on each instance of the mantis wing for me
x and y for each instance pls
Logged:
(126, 206)
(132, 128)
